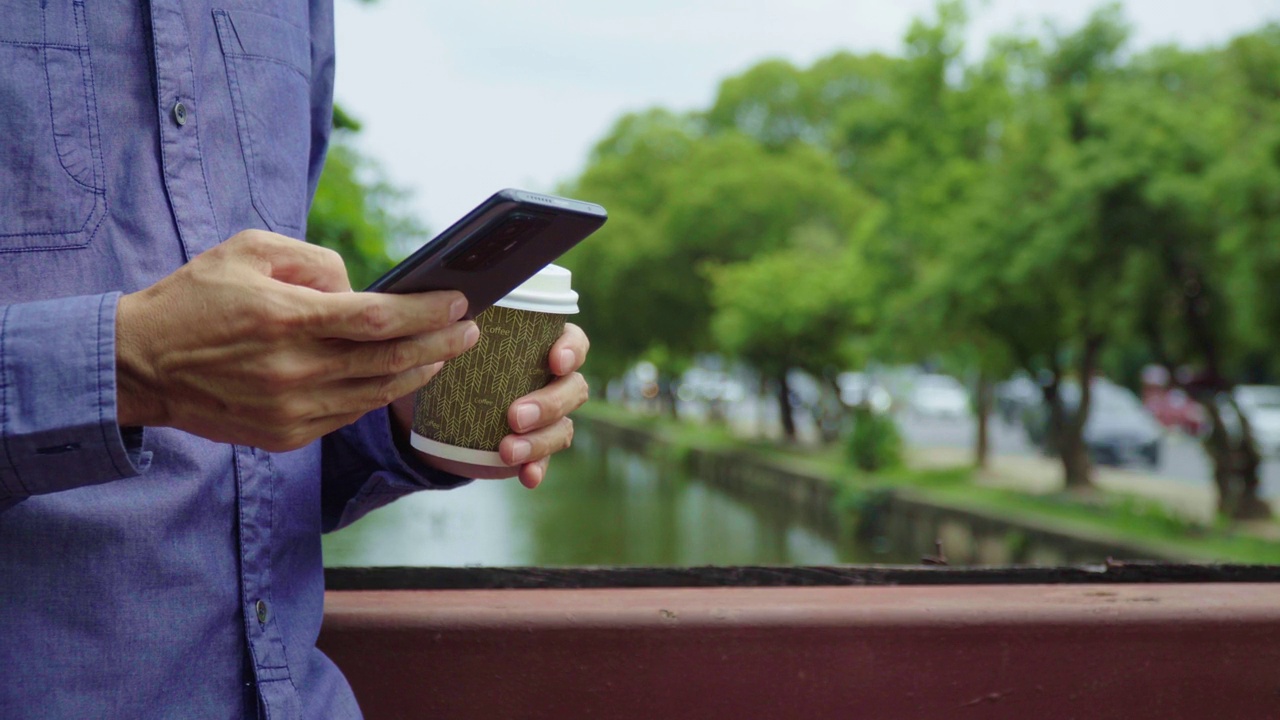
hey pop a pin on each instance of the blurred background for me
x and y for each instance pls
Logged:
(966, 283)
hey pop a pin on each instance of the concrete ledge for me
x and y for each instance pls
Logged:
(1087, 651)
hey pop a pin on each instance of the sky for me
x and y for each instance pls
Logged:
(461, 98)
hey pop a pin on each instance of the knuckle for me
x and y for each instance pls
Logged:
(294, 439)
(384, 392)
(568, 433)
(375, 318)
(284, 373)
(289, 415)
(330, 257)
(278, 320)
(398, 358)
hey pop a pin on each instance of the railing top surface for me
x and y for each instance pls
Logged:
(482, 578)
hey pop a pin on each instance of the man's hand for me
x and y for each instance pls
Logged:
(539, 420)
(260, 341)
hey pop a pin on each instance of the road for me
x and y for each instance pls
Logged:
(1181, 457)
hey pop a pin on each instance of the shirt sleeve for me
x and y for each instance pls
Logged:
(58, 426)
(362, 470)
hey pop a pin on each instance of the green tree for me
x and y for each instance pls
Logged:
(1187, 187)
(791, 308)
(683, 203)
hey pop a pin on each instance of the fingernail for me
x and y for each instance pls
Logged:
(457, 309)
(520, 450)
(526, 415)
(471, 337)
(566, 359)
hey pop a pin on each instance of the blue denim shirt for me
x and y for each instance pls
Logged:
(154, 574)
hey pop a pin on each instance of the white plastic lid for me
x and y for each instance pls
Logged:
(549, 291)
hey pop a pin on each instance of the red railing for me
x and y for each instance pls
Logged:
(1101, 649)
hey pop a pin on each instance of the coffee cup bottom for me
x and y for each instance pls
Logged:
(467, 462)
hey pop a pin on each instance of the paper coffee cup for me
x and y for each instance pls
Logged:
(461, 415)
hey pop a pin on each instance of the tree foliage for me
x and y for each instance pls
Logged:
(1060, 204)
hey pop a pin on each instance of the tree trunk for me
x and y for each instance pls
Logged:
(1051, 442)
(1077, 467)
(667, 398)
(784, 408)
(1238, 494)
(1218, 447)
(982, 408)
(1235, 465)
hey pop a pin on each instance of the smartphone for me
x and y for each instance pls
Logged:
(494, 248)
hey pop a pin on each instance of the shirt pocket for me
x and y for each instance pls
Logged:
(268, 64)
(51, 176)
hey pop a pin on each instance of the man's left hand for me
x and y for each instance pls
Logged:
(539, 421)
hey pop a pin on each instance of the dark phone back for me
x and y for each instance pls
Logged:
(496, 247)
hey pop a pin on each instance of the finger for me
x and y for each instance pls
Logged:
(533, 474)
(570, 351)
(548, 405)
(533, 446)
(278, 439)
(368, 317)
(299, 263)
(347, 359)
(365, 394)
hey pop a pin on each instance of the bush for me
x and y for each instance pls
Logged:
(874, 444)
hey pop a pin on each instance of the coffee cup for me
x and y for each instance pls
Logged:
(460, 417)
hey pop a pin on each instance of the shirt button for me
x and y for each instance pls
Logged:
(180, 113)
(261, 608)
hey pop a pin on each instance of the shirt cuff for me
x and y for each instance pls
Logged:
(58, 422)
(362, 470)
(406, 460)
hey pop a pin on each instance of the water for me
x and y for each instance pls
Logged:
(599, 506)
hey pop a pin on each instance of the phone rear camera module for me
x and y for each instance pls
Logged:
(487, 247)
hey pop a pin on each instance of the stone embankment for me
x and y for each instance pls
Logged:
(900, 517)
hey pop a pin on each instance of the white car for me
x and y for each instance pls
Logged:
(1261, 405)
(858, 388)
(939, 396)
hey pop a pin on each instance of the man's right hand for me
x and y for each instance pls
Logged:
(260, 341)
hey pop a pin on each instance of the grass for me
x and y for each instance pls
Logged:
(1126, 518)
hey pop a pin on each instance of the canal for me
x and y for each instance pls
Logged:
(599, 506)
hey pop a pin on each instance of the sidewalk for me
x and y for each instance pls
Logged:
(1028, 473)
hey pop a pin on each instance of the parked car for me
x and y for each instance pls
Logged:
(858, 388)
(1015, 395)
(1118, 431)
(704, 385)
(1261, 405)
(940, 396)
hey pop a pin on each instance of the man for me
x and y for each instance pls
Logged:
(189, 395)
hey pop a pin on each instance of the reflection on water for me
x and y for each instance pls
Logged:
(598, 507)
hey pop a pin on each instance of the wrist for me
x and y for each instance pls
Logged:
(400, 415)
(138, 400)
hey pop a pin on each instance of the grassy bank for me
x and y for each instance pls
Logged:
(1102, 515)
